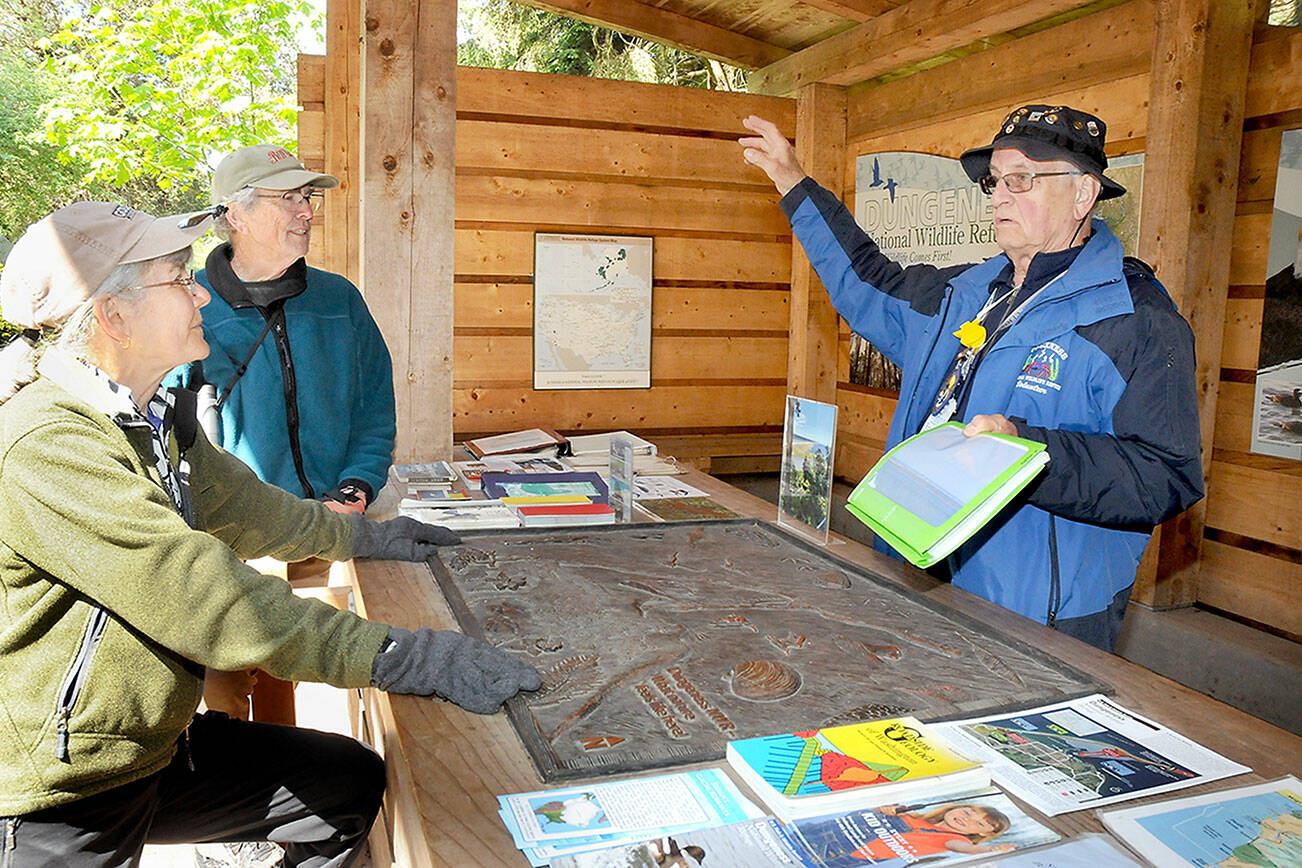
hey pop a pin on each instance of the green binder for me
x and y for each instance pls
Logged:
(934, 490)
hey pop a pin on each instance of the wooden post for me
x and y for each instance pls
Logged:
(343, 62)
(408, 118)
(1195, 127)
(820, 146)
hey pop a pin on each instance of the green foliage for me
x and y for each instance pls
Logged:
(502, 34)
(153, 90)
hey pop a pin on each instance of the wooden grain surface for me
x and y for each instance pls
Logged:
(446, 766)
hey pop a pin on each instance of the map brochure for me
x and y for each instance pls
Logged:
(685, 509)
(822, 771)
(428, 473)
(473, 471)
(591, 311)
(622, 811)
(532, 440)
(930, 493)
(1084, 753)
(586, 483)
(1257, 826)
(621, 477)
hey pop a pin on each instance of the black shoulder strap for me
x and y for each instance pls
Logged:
(276, 315)
(1132, 266)
(186, 421)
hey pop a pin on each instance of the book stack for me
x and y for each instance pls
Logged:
(472, 472)
(552, 510)
(464, 514)
(824, 771)
(534, 440)
(549, 824)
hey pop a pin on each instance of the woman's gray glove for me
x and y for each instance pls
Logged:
(398, 539)
(473, 674)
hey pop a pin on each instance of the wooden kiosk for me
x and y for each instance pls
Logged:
(447, 173)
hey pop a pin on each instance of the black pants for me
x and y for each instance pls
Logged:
(314, 792)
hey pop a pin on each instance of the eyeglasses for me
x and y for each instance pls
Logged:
(295, 198)
(1018, 182)
(186, 282)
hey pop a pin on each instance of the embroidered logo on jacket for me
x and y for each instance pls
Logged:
(1041, 369)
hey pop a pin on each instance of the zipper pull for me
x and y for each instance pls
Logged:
(184, 746)
(61, 741)
(11, 835)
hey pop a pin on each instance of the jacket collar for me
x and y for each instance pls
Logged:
(259, 293)
(1094, 282)
(89, 384)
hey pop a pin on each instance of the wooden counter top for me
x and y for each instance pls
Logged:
(447, 766)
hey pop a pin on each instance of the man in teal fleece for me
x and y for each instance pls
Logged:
(304, 380)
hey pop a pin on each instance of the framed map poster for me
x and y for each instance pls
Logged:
(591, 311)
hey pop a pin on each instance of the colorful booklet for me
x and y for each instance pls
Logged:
(1084, 753)
(930, 493)
(822, 771)
(1258, 825)
(516, 484)
(550, 823)
(565, 514)
(427, 473)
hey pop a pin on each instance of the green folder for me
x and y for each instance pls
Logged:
(930, 493)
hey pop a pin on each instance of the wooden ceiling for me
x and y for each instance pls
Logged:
(792, 43)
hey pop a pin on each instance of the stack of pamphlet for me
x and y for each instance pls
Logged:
(930, 493)
(535, 440)
(958, 828)
(472, 472)
(823, 771)
(548, 824)
(464, 514)
(427, 482)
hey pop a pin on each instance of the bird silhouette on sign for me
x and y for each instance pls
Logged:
(891, 184)
(877, 174)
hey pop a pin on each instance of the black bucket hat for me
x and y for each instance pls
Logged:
(1049, 133)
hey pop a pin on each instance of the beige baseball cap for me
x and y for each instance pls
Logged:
(268, 166)
(63, 258)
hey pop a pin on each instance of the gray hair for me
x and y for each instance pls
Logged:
(242, 197)
(19, 359)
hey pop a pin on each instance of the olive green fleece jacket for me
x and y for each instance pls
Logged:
(89, 538)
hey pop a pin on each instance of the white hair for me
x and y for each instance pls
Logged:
(242, 197)
(19, 359)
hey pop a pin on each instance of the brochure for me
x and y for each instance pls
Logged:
(1085, 851)
(1258, 825)
(821, 771)
(515, 484)
(464, 514)
(661, 487)
(752, 843)
(428, 473)
(1084, 753)
(930, 493)
(576, 819)
(943, 831)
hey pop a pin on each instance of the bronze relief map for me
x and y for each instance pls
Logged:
(658, 643)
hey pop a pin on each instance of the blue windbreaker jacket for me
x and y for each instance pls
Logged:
(1100, 368)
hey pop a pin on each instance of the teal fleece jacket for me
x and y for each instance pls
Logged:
(110, 605)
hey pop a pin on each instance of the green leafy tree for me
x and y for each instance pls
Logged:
(153, 91)
(502, 34)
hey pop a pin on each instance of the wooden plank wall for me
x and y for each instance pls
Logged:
(541, 153)
(1252, 552)
(1252, 545)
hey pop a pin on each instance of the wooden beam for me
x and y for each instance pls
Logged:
(820, 146)
(855, 10)
(408, 121)
(918, 30)
(671, 28)
(1197, 86)
(342, 89)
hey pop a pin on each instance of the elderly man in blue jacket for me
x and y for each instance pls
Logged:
(1079, 348)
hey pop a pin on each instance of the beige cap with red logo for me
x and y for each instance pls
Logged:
(269, 166)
